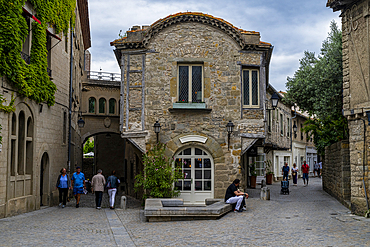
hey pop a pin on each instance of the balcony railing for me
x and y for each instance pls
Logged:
(103, 76)
(26, 57)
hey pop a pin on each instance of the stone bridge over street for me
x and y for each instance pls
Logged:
(308, 216)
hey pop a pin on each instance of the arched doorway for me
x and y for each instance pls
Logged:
(44, 178)
(198, 168)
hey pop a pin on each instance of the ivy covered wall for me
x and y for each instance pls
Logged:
(31, 80)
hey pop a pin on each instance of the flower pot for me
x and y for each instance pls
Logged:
(269, 178)
(253, 181)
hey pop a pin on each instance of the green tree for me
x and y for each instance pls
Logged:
(317, 86)
(88, 146)
(159, 174)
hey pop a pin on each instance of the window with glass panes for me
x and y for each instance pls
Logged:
(251, 87)
(196, 166)
(190, 83)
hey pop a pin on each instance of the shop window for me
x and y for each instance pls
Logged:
(190, 83)
(251, 88)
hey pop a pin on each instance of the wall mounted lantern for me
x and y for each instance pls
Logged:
(274, 100)
(230, 129)
(81, 122)
(295, 130)
(157, 129)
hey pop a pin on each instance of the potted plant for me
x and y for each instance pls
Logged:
(253, 177)
(269, 172)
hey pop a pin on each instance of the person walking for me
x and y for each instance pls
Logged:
(285, 171)
(320, 169)
(112, 185)
(316, 169)
(295, 174)
(305, 170)
(63, 184)
(78, 184)
(97, 187)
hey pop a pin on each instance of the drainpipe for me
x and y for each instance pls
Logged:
(70, 104)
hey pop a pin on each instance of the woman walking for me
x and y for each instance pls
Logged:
(63, 184)
(295, 174)
(112, 185)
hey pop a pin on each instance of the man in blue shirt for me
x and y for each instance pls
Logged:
(78, 184)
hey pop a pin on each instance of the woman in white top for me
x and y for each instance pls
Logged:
(295, 174)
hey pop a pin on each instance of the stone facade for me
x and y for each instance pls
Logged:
(356, 60)
(35, 136)
(336, 172)
(223, 52)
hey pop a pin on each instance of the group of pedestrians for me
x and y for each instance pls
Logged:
(305, 168)
(77, 184)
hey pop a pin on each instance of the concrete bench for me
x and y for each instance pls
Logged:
(174, 210)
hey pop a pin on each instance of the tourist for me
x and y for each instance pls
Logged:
(63, 184)
(320, 169)
(316, 169)
(234, 195)
(285, 171)
(78, 184)
(305, 170)
(97, 187)
(295, 174)
(112, 185)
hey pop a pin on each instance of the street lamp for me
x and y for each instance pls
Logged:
(295, 130)
(274, 100)
(157, 129)
(230, 129)
(81, 122)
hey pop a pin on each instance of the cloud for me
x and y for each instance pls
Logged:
(290, 26)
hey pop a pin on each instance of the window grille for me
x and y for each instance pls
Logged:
(250, 88)
(190, 84)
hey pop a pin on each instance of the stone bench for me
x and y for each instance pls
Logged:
(157, 209)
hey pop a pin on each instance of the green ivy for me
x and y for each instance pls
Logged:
(31, 80)
(6, 108)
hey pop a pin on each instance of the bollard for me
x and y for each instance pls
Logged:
(265, 193)
(123, 202)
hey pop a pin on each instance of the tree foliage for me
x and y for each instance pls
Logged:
(159, 174)
(317, 87)
(88, 146)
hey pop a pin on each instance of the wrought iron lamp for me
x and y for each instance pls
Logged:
(157, 129)
(230, 129)
(295, 130)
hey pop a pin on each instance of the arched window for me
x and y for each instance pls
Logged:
(21, 144)
(112, 106)
(92, 102)
(102, 105)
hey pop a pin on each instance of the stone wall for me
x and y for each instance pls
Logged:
(336, 171)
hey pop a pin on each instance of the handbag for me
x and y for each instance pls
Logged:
(108, 185)
(294, 173)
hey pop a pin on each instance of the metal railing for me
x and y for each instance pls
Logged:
(103, 76)
(26, 57)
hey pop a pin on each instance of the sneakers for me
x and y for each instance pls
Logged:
(244, 209)
(60, 204)
(98, 208)
(111, 207)
(63, 206)
(77, 205)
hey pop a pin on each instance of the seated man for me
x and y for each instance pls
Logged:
(233, 195)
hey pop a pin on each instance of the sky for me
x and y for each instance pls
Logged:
(291, 26)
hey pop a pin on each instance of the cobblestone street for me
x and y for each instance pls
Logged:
(306, 217)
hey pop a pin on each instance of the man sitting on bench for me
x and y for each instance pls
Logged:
(233, 195)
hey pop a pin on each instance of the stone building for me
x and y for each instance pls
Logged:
(193, 73)
(356, 98)
(303, 148)
(35, 136)
(278, 142)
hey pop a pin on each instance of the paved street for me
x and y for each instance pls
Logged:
(306, 217)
